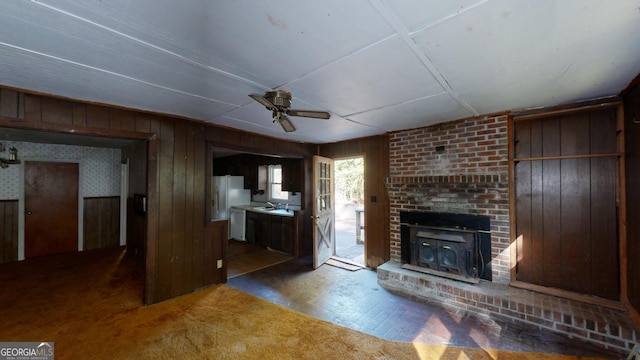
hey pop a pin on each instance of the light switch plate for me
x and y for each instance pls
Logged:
(220, 264)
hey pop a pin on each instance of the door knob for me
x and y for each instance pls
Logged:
(28, 212)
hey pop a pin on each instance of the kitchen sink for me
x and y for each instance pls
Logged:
(272, 210)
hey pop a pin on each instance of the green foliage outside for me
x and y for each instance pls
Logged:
(349, 180)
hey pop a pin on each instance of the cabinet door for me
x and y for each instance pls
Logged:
(288, 234)
(264, 234)
(292, 175)
(276, 232)
(252, 227)
(250, 174)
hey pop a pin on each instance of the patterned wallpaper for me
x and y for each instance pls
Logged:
(99, 167)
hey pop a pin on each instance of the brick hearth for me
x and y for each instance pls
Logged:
(608, 328)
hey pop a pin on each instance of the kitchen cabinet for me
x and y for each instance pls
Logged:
(252, 227)
(264, 234)
(274, 231)
(288, 234)
(292, 175)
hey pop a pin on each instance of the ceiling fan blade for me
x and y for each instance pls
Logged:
(262, 100)
(310, 114)
(286, 124)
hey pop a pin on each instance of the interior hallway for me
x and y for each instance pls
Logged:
(354, 299)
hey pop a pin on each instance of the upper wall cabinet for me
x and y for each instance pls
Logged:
(292, 175)
(254, 169)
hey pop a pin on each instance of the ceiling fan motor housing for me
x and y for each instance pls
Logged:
(281, 99)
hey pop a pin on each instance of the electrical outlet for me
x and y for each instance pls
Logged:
(220, 264)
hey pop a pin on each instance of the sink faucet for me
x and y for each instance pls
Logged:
(275, 206)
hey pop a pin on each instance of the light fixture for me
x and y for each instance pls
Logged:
(284, 121)
(13, 157)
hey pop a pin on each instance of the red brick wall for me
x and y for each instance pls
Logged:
(470, 176)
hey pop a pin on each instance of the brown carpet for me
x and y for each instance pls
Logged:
(89, 304)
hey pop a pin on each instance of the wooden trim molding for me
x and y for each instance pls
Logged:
(513, 256)
(567, 109)
(622, 208)
(74, 129)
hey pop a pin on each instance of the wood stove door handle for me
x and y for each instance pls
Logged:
(446, 247)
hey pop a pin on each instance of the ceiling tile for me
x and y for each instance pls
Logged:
(270, 42)
(422, 112)
(419, 14)
(79, 82)
(505, 55)
(385, 74)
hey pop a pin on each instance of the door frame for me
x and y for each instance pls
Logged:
(21, 205)
(364, 203)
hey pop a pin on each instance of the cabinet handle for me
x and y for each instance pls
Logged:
(426, 244)
(446, 247)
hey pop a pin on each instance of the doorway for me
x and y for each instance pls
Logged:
(349, 209)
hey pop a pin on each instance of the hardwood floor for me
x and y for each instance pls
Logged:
(244, 258)
(355, 300)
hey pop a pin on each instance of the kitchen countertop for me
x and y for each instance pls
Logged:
(266, 210)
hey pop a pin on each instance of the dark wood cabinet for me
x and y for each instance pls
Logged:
(264, 234)
(288, 234)
(292, 175)
(250, 174)
(276, 232)
(252, 227)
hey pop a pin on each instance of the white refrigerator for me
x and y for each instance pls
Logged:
(227, 191)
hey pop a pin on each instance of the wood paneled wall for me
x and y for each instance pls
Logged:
(181, 253)
(8, 230)
(566, 208)
(181, 247)
(101, 222)
(376, 162)
(632, 147)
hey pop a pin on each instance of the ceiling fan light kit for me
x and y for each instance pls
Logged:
(279, 101)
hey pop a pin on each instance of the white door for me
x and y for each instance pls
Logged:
(324, 245)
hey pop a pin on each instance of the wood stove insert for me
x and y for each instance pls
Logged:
(456, 246)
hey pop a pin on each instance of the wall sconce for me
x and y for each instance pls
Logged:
(13, 157)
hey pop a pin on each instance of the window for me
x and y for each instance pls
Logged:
(275, 184)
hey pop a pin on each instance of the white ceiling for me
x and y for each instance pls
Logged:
(376, 65)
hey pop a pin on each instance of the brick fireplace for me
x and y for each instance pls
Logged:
(462, 167)
(458, 167)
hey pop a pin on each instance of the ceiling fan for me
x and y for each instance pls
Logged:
(279, 102)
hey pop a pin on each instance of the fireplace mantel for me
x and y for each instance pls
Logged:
(463, 179)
